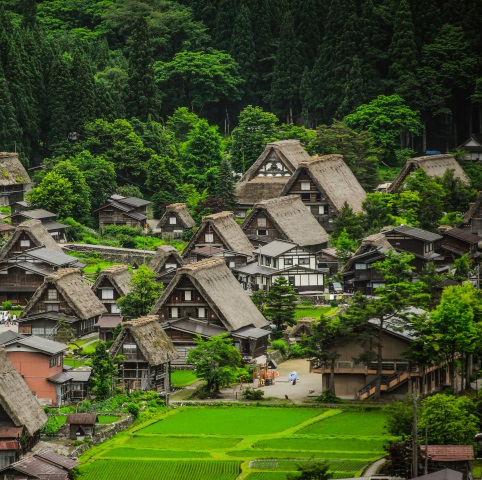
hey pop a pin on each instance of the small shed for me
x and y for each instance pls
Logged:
(455, 457)
(81, 424)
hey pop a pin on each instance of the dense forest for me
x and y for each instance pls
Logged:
(152, 95)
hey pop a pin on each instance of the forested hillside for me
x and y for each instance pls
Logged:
(154, 93)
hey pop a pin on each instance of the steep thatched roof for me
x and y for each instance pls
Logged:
(433, 166)
(151, 339)
(333, 177)
(118, 275)
(37, 233)
(12, 171)
(16, 398)
(227, 229)
(293, 220)
(473, 209)
(75, 291)
(372, 242)
(182, 213)
(223, 293)
(252, 189)
(160, 257)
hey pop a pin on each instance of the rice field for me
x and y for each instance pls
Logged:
(226, 443)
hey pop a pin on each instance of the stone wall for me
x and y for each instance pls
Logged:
(104, 435)
(127, 256)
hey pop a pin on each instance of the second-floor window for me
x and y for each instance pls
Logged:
(107, 294)
(209, 238)
(288, 261)
(172, 220)
(52, 294)
(304, 261)
(201, 312)
(25, 243)
(129, 349)
(174, 312)
(305, 185)
(170, 265)
(187, 295)
(261, 222)
(360, 266)
(52, 307)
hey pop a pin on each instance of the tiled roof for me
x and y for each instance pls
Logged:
(445, 453)
(416, 233)
(82, 419)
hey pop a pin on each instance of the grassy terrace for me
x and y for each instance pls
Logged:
(248, 442)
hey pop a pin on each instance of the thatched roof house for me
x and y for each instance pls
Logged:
(223, 294)
(220, 230)
(472, 219)
(165, 254)
(175, 220)
(13, 178)
(269, 173)
(285, 218)
(373, 242)
(64, 296)
(28, 235)
(148, 335)
(433, 165)
(117, 276)
(16, 400)
(147, 352)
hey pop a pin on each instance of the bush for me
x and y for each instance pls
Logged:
(328, 397)
(252, 394)
(333, 304)
(280, 345)
(114, 231)
(133, 409)
(7, 305)
(52, 426)
(296, 351)
(126, 241)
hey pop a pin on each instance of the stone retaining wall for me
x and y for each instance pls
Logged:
(127, 256)
(104, 435)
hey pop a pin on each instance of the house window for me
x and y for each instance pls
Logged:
(129, 348)
(172, 220)
(209, 238)
(52, 362)
(305, 185)
(25, 243)
(322, 209)
(428, 247)
(232, 264)
(262, 233)
(4, 272)
(360, 266)
(170, 265)
(241, 214)
(114, 308)
(291, 281)
(288, 261)
(52, 294)
(52, 307)
(304, 261)
(261, 222)
(201, 312)
(37, 330)
(174, 312)
(268, 261)
(107, 294)
(187, 295)
(59, 361)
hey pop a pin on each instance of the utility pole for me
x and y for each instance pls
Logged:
(414, 433)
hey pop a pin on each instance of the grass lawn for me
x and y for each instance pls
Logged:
(250, 442)
(183, 378)
(73, 362)
(315, 312)
(90, 349)
(93, 267)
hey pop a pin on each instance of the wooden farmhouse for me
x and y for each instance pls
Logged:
(165, 262)
(325, 184)
(220, 230)
(268, 175)
(472, 220)
(434, 166)
(473, 148)
(14, 179)
(111, 284)
(40, 362)
(204, 298)
(232, 259)
(42, 465)
(28, 235)
(20, 276)
(20, 413)
(416, 241)
(119, 210)
(328, 260)
(81, 425)
(284, 218)
(456, 242)
(48, 219)
(64, 300)
(148, 353)
(282, 259)
(175, 221)
(354, 379)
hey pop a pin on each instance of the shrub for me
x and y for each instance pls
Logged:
(306, 303)
(280, 345)
(328, 397)
(51, 427)
(333, 304)
(7, 305)
(114, 231)
(252, 394)
(296, 351)
(126, 241)
(133, 409)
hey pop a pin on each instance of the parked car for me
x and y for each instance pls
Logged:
(335, 287)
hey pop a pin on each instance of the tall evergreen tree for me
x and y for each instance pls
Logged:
(10, 131)
(225, 187)
(284, 96)
(225, 20)
(141, 98)
(306, 25)
(82, 100)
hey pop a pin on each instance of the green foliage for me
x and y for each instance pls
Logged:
(216, 360)
(311, 471)
(143, 294)
(52, 426)
(280, 305)
(7, 305)
(103, 372)
(399, 420)
(280, 345)
(328, 397)
(252, 394)
(449, 420)
(133, 409)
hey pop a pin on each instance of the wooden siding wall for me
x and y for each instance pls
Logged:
(116, 217)
(252, 228)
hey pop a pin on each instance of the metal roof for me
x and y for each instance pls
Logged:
(32, 267)
(193, 325)
(250, 332)
(80, 375)
(415, 233)
(61, 377)
(255, 269)
(276, 248)
(134, 201)
(82, 418)
(40, 343)
(36, 214)
(463, 235)
(50, 256)
(9, 336)
(108, 321)
(52, 225)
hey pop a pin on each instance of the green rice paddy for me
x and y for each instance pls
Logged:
(231, 442)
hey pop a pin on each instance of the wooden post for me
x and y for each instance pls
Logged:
(414, 434)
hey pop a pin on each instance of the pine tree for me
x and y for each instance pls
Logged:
(141, 100)
(10, 131)
(82, 101)
(225, 20)
(285, 86)
(306, 24)
(280, 306)
(225, 188)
